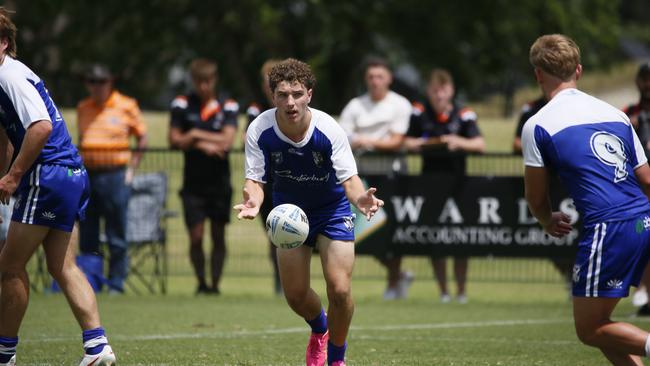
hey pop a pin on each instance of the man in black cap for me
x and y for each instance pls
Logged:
(639, 113)
(107, 119)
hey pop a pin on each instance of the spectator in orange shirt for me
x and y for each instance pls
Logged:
(106, 120)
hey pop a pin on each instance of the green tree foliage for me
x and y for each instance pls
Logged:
(484, 43)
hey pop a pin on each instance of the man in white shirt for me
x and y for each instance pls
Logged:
(378, 121)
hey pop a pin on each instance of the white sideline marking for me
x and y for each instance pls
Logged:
(429, 338)
(490, 323)
(266, 332)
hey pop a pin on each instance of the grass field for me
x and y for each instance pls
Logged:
(518, 313)
(503, 324)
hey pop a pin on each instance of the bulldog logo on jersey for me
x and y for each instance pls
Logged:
(610, 150)
(276, 156)
(318, 158)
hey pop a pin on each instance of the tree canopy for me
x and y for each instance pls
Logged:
(149, 43)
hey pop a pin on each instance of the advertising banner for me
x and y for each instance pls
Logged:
(449, 215)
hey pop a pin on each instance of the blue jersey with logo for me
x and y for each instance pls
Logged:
(308, 173)
(594, 149)
(25, 100)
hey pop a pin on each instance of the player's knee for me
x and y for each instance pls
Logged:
(11, 267)
(11, 272)
(587, 334)
(295, 296)
(339, 294)
(61, 272)
(56, 273)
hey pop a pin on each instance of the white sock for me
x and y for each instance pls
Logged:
(647, 346)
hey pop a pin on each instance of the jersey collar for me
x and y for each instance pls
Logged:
(304, 141)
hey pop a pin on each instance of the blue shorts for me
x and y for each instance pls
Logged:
(611, 257)
(335, 227)
(53, 196)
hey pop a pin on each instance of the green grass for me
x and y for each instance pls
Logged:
(503, 324)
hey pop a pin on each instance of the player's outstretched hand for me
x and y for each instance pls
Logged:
(559, 225)
(368, 204)
(247, 209)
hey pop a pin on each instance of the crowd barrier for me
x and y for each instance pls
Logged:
(479, 213)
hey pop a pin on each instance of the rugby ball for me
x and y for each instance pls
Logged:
(287, 226)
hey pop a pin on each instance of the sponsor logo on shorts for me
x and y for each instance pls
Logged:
(642, 225)
(47, 215)
(576, 273)
(75, 171)
(614, 284)
(349, 222)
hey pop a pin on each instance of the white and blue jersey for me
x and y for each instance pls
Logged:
(25, 100)
(594, 150)
(52, 191)
(308, 173)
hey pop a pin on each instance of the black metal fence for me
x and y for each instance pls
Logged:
(248, 247)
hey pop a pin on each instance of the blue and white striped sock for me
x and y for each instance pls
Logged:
(7, 348)
(94, 340)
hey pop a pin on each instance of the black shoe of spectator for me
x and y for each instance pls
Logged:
(643, 311)
(205, 290)
(202, 290)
